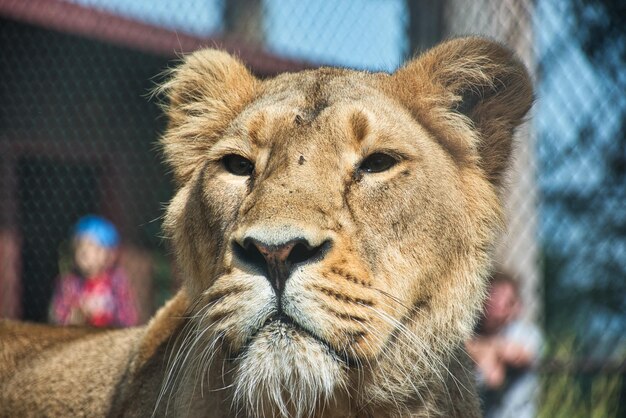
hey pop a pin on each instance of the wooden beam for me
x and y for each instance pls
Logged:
(426, 24)
(71, 18)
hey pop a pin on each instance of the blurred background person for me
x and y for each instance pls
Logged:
(505, 349)
(95, 291)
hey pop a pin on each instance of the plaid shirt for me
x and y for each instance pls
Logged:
(105, 300)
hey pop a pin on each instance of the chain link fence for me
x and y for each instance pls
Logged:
(78, 133)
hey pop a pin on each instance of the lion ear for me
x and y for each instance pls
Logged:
(472, 93)
(204, 94)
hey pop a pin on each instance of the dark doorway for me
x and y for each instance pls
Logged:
(53, 195)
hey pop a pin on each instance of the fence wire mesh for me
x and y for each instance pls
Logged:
(78, 133)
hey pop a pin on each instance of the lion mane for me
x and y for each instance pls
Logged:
(334, 229)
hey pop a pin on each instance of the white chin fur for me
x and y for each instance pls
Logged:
(286, 373)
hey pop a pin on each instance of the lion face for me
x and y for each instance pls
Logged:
(335, 226)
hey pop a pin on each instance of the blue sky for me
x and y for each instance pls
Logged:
(365, 34)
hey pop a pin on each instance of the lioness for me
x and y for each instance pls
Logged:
(334, 228)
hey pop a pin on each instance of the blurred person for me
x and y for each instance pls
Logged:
(505, 349)
(96, 290)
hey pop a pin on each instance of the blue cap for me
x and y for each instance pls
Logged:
(98, 229)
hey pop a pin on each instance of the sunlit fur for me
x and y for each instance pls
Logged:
(374, 326)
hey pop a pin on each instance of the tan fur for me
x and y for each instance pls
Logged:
(374, 326)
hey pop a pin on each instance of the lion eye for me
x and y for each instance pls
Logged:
(237, 165)
(378, 162)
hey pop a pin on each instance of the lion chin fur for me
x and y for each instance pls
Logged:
(334, 229)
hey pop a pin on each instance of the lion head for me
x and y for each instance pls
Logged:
(334, 226)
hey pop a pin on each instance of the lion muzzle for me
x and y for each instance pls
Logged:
(278, 260)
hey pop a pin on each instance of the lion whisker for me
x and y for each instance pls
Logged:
(448, 353)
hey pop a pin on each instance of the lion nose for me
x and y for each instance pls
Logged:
(277, 261)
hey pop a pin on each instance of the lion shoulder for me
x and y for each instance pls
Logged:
(58, 371)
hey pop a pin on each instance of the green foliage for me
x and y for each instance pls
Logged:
(565, 396)
(569, 394)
